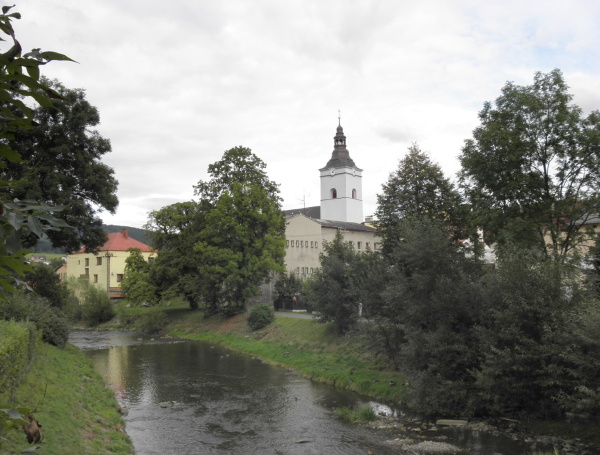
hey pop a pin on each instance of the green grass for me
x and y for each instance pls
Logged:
(356, 415)
(78, 413)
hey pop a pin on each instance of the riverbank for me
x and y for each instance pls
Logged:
(313, 350)
(77, 411)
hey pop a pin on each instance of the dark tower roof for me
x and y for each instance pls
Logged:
(340, 156)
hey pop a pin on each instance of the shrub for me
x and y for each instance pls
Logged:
(97, 307)
(16, 350)
(261, 316)
(50, 321)
(354, 415)
(153, 322)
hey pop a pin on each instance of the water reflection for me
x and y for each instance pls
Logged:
(198, 398)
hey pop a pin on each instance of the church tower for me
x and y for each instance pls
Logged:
(341, 184)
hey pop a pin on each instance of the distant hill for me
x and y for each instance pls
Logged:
(138, 234)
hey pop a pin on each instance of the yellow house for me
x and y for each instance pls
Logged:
(106, 268)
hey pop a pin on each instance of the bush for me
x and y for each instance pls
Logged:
(153, 322)
(261, 316)
(97, 307)
(354, 415)
(50, 321)
(16, 350)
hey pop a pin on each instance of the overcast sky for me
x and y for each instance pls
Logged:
(177, 83)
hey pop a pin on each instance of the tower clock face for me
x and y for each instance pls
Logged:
(333, 172)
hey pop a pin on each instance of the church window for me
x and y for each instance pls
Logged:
(316, 244)
(359, 245)
(287, 243)
(297, 243)
(333, 193)
(353, 194)
(368, 246)
(375, 246)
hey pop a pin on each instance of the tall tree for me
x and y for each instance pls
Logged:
(243, 240)
(62, 166)
(532, 168)
(220, 249)
(136, 282)
(417, 188)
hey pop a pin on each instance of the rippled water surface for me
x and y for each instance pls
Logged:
(186, 397)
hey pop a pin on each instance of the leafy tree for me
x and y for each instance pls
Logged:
(62, 166)
(136, 281)
(532, 168)
(243, 240)
(46, 283)
(19, 82)
(331, 288)
(174, 231)
(429, 306)
(417, 188)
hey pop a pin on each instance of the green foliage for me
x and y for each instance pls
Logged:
(46, 283)
(20, 86)
(152, 322)
(332, 288)
(50, 321)
(136, 283)
(16, 350)
(417, 188)
(531, 170)
(62, 166)
(97, 307)
(260, 316)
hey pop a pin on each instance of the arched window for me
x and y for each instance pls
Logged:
(353, 194)
(333, 193)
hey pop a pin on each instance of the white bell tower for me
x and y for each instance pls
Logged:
(341, 184)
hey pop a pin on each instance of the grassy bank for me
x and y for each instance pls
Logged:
(78, 412)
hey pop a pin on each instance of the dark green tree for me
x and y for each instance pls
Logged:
(62, 166)
(331, 289)
(46, 283)
(417, 188)
(532, 169)
(286, 287)
(136, 281)
(174, 230)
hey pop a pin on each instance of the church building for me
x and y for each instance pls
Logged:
(341, 209)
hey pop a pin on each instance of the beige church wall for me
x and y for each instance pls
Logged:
(303, 245)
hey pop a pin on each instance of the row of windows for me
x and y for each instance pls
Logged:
(99, 261)
(305, 270)
(302, 243)
(359, 245)
(86, 275)
(334, 193)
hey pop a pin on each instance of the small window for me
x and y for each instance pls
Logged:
(151, 260)
(301, 243)
(95, 278)
(287, 243)
(316, 244)
(375, 246)
(359, 245)
(297, 243)
(353, 194)
(87, 262)
(333, 193)
(368, 246)
(87, 272)
(119, 277)
(99, 260)
(297, 269)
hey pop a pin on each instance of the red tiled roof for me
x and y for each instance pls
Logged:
(120, 241)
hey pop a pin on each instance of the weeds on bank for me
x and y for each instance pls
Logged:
(356, 415)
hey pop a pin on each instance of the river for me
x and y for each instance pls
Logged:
(190, 397)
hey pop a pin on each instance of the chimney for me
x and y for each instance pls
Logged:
(125, 233)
